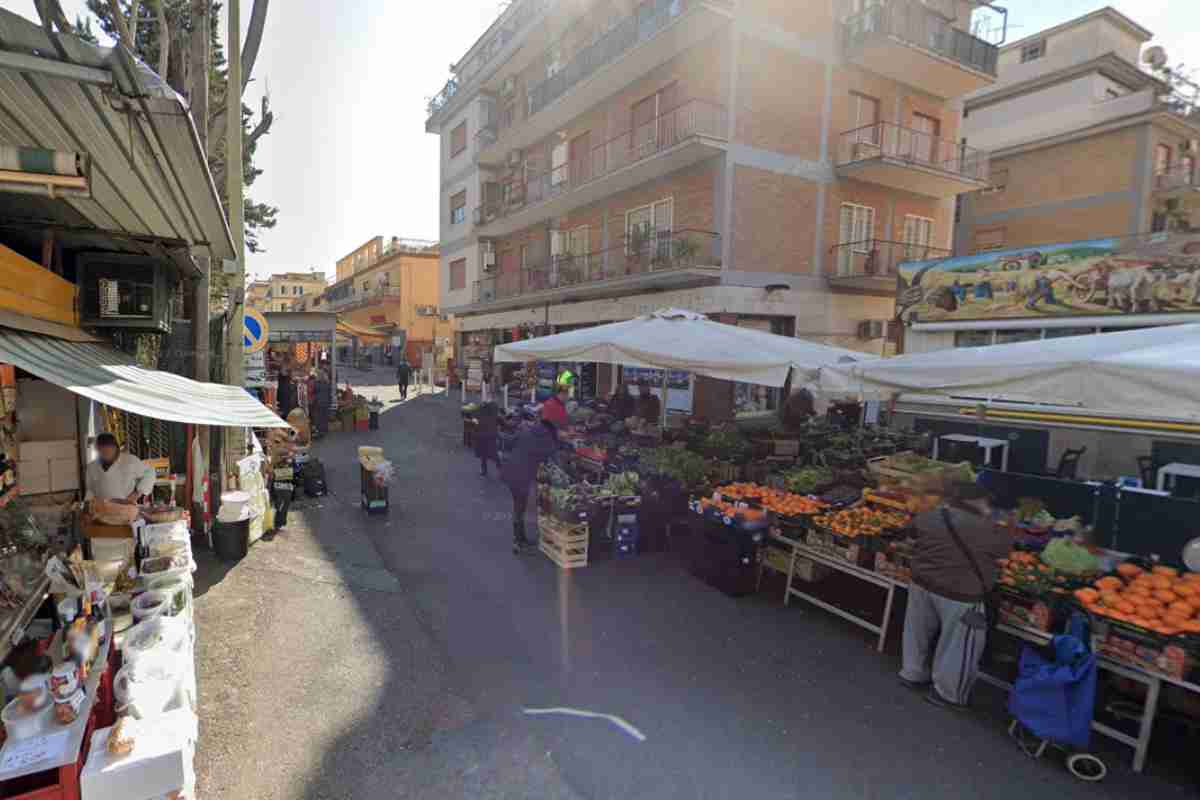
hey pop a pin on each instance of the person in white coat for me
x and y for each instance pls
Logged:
(117, 476)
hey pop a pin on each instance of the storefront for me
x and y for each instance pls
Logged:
(299, 345)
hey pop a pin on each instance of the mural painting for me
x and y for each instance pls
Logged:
(1150, 274)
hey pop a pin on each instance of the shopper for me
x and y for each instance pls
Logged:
(536, 442)
(621, 404)
(403, 373)
(285, 396)
(954, 568)
(555, 409)
(648, 406)
(487, 436)
(122, 477)
(322, 396)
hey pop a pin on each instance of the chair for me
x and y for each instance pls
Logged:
(1068, 464)
(1148, 471)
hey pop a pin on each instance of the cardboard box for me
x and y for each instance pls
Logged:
(48, 451)
(33, 476)
(64, 474)
(161, 761)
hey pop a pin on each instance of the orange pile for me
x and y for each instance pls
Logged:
(862, 521)
(781, 502)
(1160, 600)
(728, 509)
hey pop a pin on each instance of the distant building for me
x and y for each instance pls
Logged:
(285, 288)
(256, 294)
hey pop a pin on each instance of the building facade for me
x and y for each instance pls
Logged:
(602, 159)
(392, 287)
(256, 294)
(1082, 142)
(285, 289)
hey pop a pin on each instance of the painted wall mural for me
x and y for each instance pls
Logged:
(1148, 274)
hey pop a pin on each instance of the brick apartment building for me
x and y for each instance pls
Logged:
(1082, 143)
(765, 162)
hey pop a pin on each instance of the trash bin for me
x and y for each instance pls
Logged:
(231, 540)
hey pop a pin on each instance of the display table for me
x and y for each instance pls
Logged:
(1153, 682)
(13, 628)
(889, 585)
(1167, 474)
(987, 445)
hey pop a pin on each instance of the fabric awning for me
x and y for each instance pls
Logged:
(107, 376)
(346, 329)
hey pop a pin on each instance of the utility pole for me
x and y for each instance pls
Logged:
(198, 97)
(235, 447)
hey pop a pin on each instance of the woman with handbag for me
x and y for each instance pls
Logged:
(954, 569)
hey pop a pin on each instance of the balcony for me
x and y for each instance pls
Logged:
(653, 34)
(911, 161)
(693, 132)
(652, 261)
(870, 266)
(1180, 180)
(364, 298)
(912, 43)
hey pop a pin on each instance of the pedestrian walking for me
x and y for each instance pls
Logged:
(322, 397)
(487, 436)
(954, 568)
(536, 442)
(403, 373)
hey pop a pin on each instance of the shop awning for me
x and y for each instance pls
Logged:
(102, 374)
(346, 329)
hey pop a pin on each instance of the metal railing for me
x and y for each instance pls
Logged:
(879, 258)
(920, 25)
(693, 118)
(639, 254)
(1181, 176)
(887, 140)
(364, 297)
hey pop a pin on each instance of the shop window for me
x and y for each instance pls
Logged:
(972, 338)
(458, 139)
(1010, 337)
(458, 274)
(458, 208)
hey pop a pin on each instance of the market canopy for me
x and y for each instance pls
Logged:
(1151, 371)
(685, 340)
(346, 329)
(107, 376)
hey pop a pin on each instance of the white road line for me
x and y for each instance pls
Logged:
(579, 712)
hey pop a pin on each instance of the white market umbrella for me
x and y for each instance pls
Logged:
(1152, 371)
(673, 339)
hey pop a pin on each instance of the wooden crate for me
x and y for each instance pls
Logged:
(563, 543)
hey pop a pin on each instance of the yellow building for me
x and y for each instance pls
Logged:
(392, 287)
(256, 295)
(285, 288)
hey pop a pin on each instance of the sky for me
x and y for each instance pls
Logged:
(348, 158)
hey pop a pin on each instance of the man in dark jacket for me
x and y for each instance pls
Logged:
(536, 442)
(487, 436)
(954, 568)
(403, 373)
(649, 407)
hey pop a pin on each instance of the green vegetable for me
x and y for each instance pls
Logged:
(1066, 556)
(689, 468)
(623, 484)
(806, 480)
(727, 445)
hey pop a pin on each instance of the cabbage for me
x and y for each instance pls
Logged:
(1065, 556)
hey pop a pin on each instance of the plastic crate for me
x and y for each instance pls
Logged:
(1174, 656)
(1027, 610)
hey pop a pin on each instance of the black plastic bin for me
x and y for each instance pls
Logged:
(231, 540)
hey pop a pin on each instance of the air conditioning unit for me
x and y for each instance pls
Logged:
(874, 329)
(509, 87)
(514, 158)
(863, 151)
(125, 291)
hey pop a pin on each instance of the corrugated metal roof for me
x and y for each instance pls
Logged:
(107, 376)
(149, 179)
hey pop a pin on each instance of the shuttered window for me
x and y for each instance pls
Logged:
(458, 274)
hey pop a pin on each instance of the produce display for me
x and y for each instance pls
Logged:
(689, 468)
(727, 445)
(622, 484)
(1027, 572)
(731, 510)
(1158, 599)
(787, 504)
(863, 520)
(807, 480)
(1067, 557)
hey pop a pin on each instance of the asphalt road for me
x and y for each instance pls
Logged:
(396, 655)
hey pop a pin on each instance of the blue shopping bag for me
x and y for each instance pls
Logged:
(1055, 692)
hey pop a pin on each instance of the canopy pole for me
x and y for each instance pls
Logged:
(663, 412)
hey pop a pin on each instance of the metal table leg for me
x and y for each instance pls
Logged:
(887, 616)
(1146, 727)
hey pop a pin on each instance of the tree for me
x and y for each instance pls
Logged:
(158, 32)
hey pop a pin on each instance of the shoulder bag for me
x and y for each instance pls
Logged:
(973, 618)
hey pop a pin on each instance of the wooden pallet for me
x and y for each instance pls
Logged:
(563, 543)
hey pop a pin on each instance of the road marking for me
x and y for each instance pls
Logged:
(579, 712)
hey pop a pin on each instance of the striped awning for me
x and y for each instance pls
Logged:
(107, 376)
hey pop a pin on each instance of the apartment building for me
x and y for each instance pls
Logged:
(284, 289)
(391, 287)
(764, 162)
(256, 294)
(1082, 143)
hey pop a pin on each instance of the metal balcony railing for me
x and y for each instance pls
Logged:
(917, 24)
(1181, 176)
(640, 254)
(693, 118)
(363, 298)
(886, 140)
(878, 258)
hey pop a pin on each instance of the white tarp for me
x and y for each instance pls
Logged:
(684, 340)
(1148, 372)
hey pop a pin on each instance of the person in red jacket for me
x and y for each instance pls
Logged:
(555, 409)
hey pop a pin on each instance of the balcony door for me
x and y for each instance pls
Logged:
(508, 278)
(648, 235)
(925, 133)
(581, 158)
(653, 127)
(856, 234)
(918, 236)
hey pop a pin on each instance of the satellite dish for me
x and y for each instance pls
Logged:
(1155, 56)
(1191, 555)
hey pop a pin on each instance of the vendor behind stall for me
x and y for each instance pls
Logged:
(621, 404)
(118, 476)
(648, 406)
(555, 409)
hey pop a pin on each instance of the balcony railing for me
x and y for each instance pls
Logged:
(693, 118)
(917, 24)
(878, 258)
(884, 140)
(1182, 176)
(364, 298)
(641, 254)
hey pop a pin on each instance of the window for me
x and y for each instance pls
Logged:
(298, 290)
(990, 239)
(653, 126)
(458, 274)
(972, 338)
(1162, 159)
(648, 228)
(558, 164)
(918, 236)
(458, 208)
(458, 139)
(856, 233)
(1158, 222)
(864, 111)
(1033, 51)
(926, 130)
